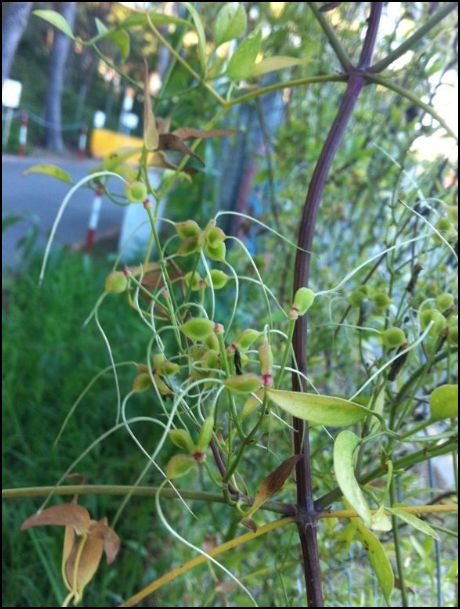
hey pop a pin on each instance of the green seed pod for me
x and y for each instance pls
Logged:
(161, 385)
(182, 439)
(243, 383)
(444, 402)
(444, 301)
(197, 329)
(393, 338)
(266, 360)
(216, 252)
(179, 466)
(116, 283)
(197, 352)
(381, 300)
(303, 300)
(357, 297)
(158, 360)
(213, 236)
(452, 336)
(212, 342)
(136, 191)
(189, 246)
(205, 436)
(210, 359)
(433, 315)
(193, 281)
(245, 339)
(219, 279)
(187, 229)
(162, 366)
(447, 230)
(141, 383)
(170, 368)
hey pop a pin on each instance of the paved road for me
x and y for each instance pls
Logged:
(40, 196)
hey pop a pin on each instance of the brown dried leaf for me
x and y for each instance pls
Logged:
(90, 556)
(69, 541)
(65, 514)
(169, 141)
(189, 133)
(273, 483)
(110, 539)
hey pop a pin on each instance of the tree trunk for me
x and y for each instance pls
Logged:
(58, 62)
(17, 14)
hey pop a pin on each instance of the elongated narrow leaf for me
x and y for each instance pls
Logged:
(413, 521)
(273, 483)
(55, 19)
(189, 133)
(378, 557)
(242, 62)
(272, 64)
(231, 22)
(444, 402)
(345, 453)
(121, 39)
(318, 409)
(102, 29)
(201, 35)
(141, 19)
(151, 136)
(50, 170)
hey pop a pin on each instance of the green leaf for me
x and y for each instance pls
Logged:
(140, 19)
(378, 557)
(318, 409)
(444, 402)
(413, 521)
(345, 454)
(151, 135)
(201, 35)
(179, 466)
(278, 62)
(242, 62)
(102, 29)
(50, 170)
(121, 39)
(231, 22)
(55, 19)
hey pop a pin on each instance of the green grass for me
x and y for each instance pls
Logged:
(48, 360)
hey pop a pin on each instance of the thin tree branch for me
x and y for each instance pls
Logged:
(332, 37)
(413, 98)
(416, 36)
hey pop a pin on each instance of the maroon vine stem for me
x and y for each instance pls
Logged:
(307, 522)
